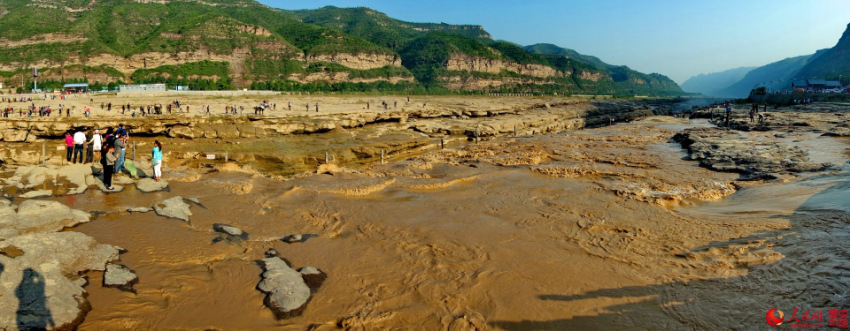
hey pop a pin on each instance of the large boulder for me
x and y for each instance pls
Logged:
(286, 292)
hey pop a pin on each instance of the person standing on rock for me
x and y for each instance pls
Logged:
(109, 167)
(69, 146)
(120, 141)
(79, 144)
(89, 146)
(96, 142)
(156, 160)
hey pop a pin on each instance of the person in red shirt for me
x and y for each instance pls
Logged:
(69, 145)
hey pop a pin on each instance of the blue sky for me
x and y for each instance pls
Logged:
(676, 38)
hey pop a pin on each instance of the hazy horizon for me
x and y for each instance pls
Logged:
(677, 39)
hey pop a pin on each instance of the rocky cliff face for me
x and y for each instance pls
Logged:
(462, 62)
(359, 61)
(337, 77)
(480, 84)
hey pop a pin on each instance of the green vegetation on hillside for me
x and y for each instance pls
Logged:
(271, 46)
(204, 75)
(185, 70)
(379, 28)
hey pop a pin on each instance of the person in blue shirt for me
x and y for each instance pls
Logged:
(156, 159)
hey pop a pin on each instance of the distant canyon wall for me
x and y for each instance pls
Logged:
(462, 62)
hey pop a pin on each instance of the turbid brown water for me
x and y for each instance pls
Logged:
(595, 229)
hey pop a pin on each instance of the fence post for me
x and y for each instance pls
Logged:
(326, 157)
(382, 156)
(43, 153)
(226, 157)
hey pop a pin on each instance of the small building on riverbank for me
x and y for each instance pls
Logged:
(815, 85)
(75, 87)
(142, 88)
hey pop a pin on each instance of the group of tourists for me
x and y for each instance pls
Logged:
(110, 148)
(754, 110)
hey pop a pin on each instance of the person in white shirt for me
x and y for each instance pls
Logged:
(79, 140)
(96, 143)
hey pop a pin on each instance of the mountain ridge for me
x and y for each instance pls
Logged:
(242, 43)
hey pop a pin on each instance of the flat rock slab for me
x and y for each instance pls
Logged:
(122, 180)
(120, 276)
(36, 194)
(40, 288)
(115, 187)
(286, 292)
(173, 207)
(44, 216)
(148, 185)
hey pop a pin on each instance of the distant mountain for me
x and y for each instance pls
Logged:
(832, 63)
(777, 75)
(712, 84)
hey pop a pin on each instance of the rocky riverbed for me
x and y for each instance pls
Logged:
(612, 227)
(289, 143)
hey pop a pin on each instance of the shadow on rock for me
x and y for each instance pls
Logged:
(32, 311)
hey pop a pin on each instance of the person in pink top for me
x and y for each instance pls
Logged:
(69, 145)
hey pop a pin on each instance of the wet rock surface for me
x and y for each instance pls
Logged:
(725, 150)
(287, 294)
(148, 185)
(173, 207)
(119, 276)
